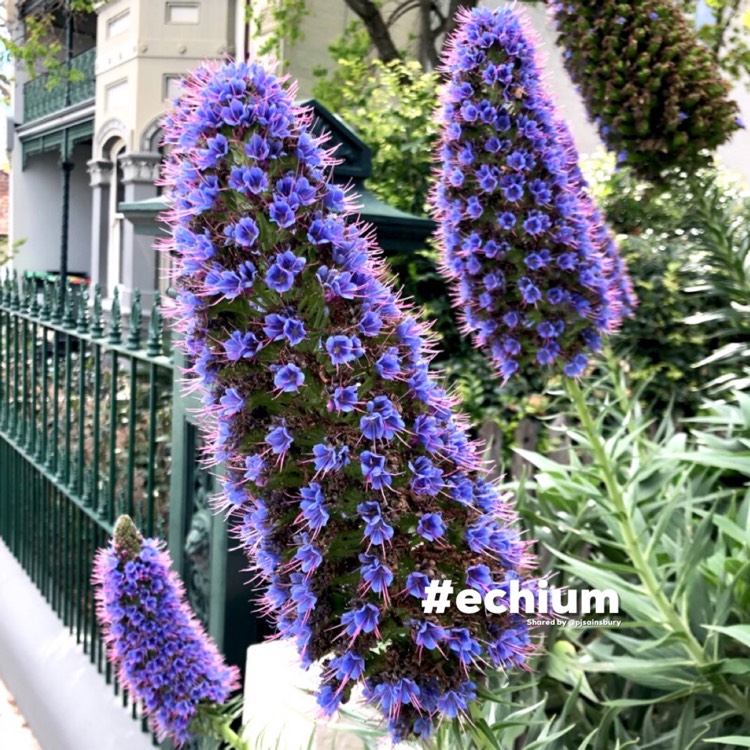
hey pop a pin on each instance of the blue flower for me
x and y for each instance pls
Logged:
(329, 458)
(279, 440)
(241, 346)
(282, 214)
(553, 239)
(427, 479)
(376, 575)
(362, 620)
(231, 402)
(431, 526)
(152, 634)
(254, 467)
(313, 508)
(429, 635)
(304, 350)
(373, 469)
(245, 232)
(289, 378)
(344, 399)
(343, 349)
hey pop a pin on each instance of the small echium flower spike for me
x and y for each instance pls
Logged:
(650, 86)
(515, 223)
(162, 653)
(350, 477)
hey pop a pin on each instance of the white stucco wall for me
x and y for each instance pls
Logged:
(36, 195)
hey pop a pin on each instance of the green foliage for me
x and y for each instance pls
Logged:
(666, 236)
(661, 517)
(276, 22)
(727, 36)
(391, 108)
(8, 250)
(723, 267)
(42, 49)
(653, 90)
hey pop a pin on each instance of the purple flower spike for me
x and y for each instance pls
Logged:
(521, 241)
(350, 479)
(162, 653)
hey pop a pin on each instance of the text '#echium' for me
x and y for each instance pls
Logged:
(535, 272)
(351, 480)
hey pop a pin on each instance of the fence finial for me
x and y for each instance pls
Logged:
(88, 487)
(115, 322)
(23, 298)
(14, 300)
(33, 299)
(97, 318)
(69, 320)
(153, 348)
(101, 509)
(134, 324)
(46, 311)
(83, 310)
(56, 316)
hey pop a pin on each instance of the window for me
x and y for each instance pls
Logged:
(171, 87)
(118, 24)
(116, 94)
(183, 12)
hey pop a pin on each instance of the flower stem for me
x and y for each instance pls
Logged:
(231, 737)
(623, 515)
(672, 619)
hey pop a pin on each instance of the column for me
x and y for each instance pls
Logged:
(140, 172)
(100, 179)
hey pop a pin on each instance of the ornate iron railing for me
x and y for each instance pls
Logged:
(52, 92)
(85, 434)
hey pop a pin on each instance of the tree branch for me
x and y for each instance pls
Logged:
(376, 27)
(401, 10)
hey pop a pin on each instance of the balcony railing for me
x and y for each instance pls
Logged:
(46, 95)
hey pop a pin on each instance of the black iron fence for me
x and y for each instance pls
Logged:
(85, 432)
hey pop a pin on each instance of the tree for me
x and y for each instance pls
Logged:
(437, 19)
(34, 41)
(727, 36)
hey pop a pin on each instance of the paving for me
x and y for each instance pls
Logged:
(14, 731)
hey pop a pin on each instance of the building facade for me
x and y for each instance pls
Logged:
(80, 150)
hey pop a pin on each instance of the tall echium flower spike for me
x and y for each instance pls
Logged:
(514, 222)
(652, 89)
(162, 653)
(351, 478)
(622, 296)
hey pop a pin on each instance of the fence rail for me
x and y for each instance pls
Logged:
(85, 434)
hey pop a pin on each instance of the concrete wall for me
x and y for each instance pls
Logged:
(35, 192)
(79, 240)
(36, 198)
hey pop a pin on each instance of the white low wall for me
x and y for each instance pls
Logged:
(65, 701)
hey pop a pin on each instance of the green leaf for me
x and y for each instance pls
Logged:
(740, 633)
(734, 739)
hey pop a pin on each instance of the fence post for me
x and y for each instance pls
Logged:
(198, 539)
